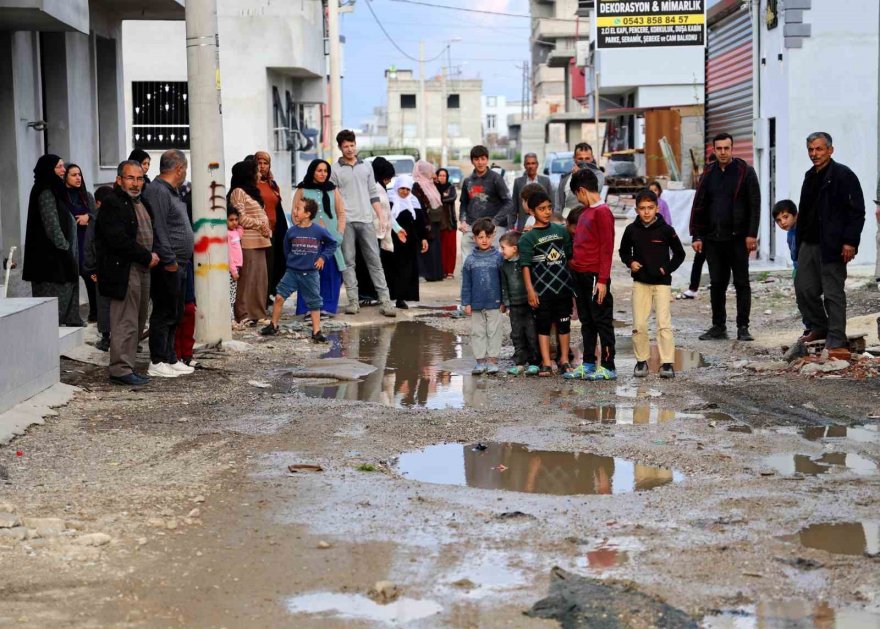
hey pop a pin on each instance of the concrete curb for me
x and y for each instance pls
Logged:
(34, 410)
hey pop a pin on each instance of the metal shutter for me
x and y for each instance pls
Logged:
(729, 87)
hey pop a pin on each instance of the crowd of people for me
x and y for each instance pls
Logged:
(536, 257)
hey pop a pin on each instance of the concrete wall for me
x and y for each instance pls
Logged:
(403, 124)
(29, 360)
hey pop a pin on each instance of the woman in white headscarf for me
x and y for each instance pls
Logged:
(425, 190)
(403, 280)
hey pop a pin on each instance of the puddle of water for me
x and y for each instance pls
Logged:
(515, 467)
(830, 461)
(685, 359)
(843, 538)
(636, 392)
(743, 428)
(861, 434)
(607, 555)
(359, 607)
(792, 613)
(642, 414)
(407, 357)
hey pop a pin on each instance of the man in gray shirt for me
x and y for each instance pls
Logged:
(173, 242)
(357, 185)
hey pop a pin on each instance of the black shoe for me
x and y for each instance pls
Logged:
(715, 333)
(318, 337)
(742, 334)
(269, 330)
(92, 318)
(666, 370)
(641, 369)
(129, 380)
(103, 344)
(402, 304)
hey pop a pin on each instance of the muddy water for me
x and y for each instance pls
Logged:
(407, 357)
(828, 462)
(516, 467)
(793, 614)
(843, 538)
(359, 607)
(861, 434)
(641, 414)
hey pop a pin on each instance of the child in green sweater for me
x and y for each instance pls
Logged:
(516, 302)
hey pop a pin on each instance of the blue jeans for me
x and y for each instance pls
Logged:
(306, 283)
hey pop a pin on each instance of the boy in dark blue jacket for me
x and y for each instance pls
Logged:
(481, 297)
(307, 247)
(645, 249)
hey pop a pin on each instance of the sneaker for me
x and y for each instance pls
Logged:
(689, 294)
(491, 369)
(129, 380)
(580, 372)
(478, 369)
(388, 309)
(181, 367)
(601, 373)
(516, 370)
(402, 304)
(269, 330)
(715, 333)
(641, 369)
(103, 344)
(353, 308)
(162, 370)
(532, 370)
(192, 362)
(666, 370)
(318, 337)
(742, 334)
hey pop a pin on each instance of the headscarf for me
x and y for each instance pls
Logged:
(382, 170)
(399, 205)
(309, 183)
(73, 193)
(442, 188)
(46, 179)
(42, 261)
(138, 155)
(243, 177)
(270, 177)
(423, 174)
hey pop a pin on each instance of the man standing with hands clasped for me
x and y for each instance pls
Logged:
(830, 220)
(724, 226)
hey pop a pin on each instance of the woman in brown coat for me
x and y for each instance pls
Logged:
(253, 281)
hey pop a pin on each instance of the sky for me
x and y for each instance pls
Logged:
(490, 48)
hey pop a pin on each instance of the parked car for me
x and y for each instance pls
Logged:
(455, 175)
(556, 165)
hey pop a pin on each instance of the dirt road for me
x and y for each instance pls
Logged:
(717, 493)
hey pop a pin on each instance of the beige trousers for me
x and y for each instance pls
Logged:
(644, 297)
(486, 333)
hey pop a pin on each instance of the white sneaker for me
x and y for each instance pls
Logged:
(181, 367)
(162, 370)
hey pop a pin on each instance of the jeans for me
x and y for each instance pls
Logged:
(167, 290)
(726, 257)
(819, 288)
(597, 320)
(523, 335)
(363, 236)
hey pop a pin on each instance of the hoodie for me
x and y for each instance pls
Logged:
(650, 246)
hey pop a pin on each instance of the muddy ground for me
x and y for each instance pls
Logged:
(188, 479)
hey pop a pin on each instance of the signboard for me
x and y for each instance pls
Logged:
(650, 23)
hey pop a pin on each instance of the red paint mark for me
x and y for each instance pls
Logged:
(19, 453)
(205, 242)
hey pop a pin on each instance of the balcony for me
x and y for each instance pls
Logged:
(561, 54)
(565, 27)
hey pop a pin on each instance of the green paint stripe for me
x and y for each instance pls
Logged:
(197, 225)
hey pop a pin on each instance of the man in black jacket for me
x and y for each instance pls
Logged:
(724, 225)
(830, 220)
(124, 244)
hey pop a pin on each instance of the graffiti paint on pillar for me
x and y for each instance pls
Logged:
(205, 227)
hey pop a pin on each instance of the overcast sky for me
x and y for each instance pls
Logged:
(490, 48)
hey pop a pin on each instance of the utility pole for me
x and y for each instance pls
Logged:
(597, 149)
(207, 172)
(444, 135)
(423, 110)
(335, 71)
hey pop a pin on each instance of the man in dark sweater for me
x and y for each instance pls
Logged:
(830, 221)
(173, 241)
(644, 249)
(483, 195)
(724, 225)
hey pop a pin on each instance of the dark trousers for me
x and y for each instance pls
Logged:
(819, 288)
(726, 257)
(697, 271)
(597, 320)
(523, 335)
(93, 295)
(103, 314)
(167, 291)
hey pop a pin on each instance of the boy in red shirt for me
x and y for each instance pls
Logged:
(591, 270)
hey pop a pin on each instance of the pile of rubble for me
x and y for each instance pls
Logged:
(814, 359)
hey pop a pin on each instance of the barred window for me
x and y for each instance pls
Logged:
(160, 115)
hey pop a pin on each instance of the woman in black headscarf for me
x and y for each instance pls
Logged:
(253, 281)
(81, 204)
(331, 216)
(143, 158)
(50, 244)
(448, 223)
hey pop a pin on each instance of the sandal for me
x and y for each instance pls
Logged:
(565, 368)
(545, 371)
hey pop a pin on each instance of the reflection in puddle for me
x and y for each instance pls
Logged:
(407, 357)
(843, 538)
(793, 613)
(685, 359)
(607, 555)
(801, 463)
(642, 414)
(636, 392)
(359, 607)
(861, 434)
(514, 467)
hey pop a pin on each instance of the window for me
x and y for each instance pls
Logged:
(407, 101)
(491, 121)
(106, 73)
(453, 101)
(160, 115)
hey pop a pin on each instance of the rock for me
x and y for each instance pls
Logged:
(768, 312)
(19, 533)
(80, 553)
(7, 507)
(515, 515)
(45, 527)
(464, 584)
(323, 545)
(259, 384)
(142, 541)
(739, 364)
(761, 366)
(384, 592)
(237, 346)
(826, 367)
(194, 513)
(171, 524)
(76, 525)
(159, 523)
(8, 520)
(93, 539)
(199, 498)
(335, 368)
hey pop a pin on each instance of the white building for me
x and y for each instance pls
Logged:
(497, 110)
(273, 73)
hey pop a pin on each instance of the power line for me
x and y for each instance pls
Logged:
(369, 4)
(498, 13)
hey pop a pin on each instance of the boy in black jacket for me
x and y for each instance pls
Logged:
(645, 249)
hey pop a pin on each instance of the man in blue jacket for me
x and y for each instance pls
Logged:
(830, 220)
